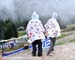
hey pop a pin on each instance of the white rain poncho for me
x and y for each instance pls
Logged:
(35, 28)
(52, 27)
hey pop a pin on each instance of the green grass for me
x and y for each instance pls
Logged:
(20, 33)
(72, 40)
(71, 27)
(61, 43)
(62, 35)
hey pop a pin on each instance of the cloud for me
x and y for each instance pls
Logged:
(24, 9)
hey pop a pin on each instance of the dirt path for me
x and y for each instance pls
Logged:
(62, 52)
(71, 36)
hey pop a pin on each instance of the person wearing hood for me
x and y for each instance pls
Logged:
(52, 31)
(35, 33)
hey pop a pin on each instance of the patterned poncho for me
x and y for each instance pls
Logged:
(52, 27)
(35, 28)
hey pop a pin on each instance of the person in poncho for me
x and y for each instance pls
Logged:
(52, 31)
(35, 33)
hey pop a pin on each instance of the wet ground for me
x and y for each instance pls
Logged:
(62, 52)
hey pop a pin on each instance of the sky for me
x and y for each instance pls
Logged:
(24, 9)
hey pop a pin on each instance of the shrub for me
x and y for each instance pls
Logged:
(8, 29)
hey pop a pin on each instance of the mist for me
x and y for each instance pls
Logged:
(23, 9)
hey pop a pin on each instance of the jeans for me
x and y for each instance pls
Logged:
(39, 43)
(53, 40)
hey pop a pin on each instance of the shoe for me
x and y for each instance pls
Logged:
(39, 55)
(50, 54)
(34, 55)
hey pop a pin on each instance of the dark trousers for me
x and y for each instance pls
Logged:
(39, 43)
(53, 40)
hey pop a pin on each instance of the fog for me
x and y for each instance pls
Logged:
(23, 9)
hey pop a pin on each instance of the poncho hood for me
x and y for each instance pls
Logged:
(54, 15)
(35, 15)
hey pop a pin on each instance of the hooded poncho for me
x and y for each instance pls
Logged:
(35, 28)
(52, 27)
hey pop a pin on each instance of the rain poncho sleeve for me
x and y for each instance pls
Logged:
(35, 28)
(52, 27)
